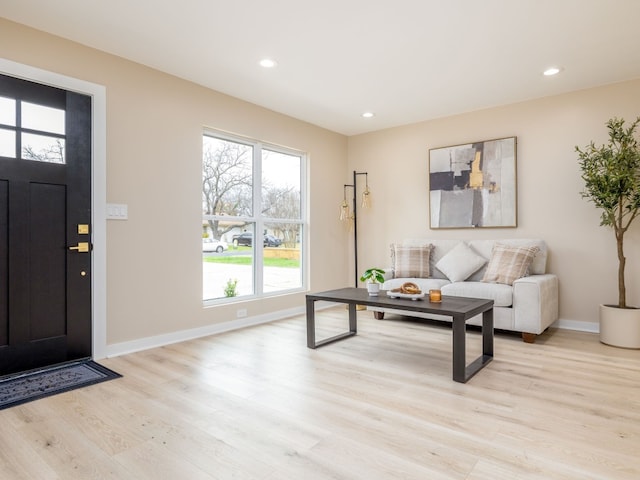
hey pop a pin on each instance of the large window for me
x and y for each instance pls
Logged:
(253, 218)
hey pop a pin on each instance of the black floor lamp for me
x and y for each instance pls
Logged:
(353, 217)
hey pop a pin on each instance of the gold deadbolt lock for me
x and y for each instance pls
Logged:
(83, 229)
(82, 247)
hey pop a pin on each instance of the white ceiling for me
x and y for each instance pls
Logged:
(405, 60)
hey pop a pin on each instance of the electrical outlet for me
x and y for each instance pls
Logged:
(241, 313)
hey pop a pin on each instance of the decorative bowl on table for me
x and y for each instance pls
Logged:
(410, 296)
(407, 290)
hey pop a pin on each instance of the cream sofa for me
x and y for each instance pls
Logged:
(528, 306)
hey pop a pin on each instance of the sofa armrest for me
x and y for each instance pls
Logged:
(535, 302)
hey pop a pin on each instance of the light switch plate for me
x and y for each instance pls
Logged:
(117, 211)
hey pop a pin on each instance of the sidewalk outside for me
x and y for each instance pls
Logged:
(216, 275)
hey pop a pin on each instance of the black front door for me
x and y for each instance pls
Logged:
(45, 225)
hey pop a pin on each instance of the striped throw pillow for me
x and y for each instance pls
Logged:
(509, 263)
(410, 261)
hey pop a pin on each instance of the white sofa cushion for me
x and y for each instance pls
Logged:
(502, 295)
(508, 263)
(460, 262)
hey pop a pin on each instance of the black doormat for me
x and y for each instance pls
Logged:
(23, 388)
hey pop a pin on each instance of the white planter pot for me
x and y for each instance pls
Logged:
(620, 327)
(373, 289)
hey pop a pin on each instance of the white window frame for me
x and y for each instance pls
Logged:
(259, 221)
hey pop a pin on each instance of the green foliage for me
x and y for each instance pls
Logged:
(373, 275)
(611, 175)
(248, 260)
(230, 289)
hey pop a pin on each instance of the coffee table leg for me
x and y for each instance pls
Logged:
(462, 372)
(459, 349)
(311, 326)
(487, 333)
(353, 319)
(311, 323)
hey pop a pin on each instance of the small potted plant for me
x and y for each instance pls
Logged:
(612, 182)
(374, 277)
(230, 288)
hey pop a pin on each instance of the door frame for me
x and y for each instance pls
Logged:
(98, 187)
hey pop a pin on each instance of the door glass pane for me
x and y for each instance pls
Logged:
(227, 178)
(8, 111)
(227, 259)
(282, 254)
(280, 185)
(7, 143)
(42, 148)
(45, 119)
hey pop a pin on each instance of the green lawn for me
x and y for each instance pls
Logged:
(247, 259)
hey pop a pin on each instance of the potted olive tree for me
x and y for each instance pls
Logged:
(374, 277)
(611, 174)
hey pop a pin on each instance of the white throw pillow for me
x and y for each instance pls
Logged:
(460, 262)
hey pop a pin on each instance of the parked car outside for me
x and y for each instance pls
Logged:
(271, 241)
(213, 245)
(246, 239)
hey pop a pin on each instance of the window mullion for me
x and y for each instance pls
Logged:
(258, 247)
(19, 130)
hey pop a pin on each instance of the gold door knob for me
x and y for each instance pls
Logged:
(82, 247)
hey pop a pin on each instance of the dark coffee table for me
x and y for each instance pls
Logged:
(460, 309)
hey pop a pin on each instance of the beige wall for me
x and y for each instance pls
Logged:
(154, 127)
(154, 124)
(582, 253)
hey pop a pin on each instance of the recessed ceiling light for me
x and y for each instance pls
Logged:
(268, 63)
(551, 71)
(368, 115)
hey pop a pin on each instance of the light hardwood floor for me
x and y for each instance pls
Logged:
(257, 404)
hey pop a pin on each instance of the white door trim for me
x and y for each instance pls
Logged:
(98, 190)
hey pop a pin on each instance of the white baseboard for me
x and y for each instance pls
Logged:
(146, 343)
(577, 325)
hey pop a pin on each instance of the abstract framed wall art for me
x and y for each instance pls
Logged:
(473, 185)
